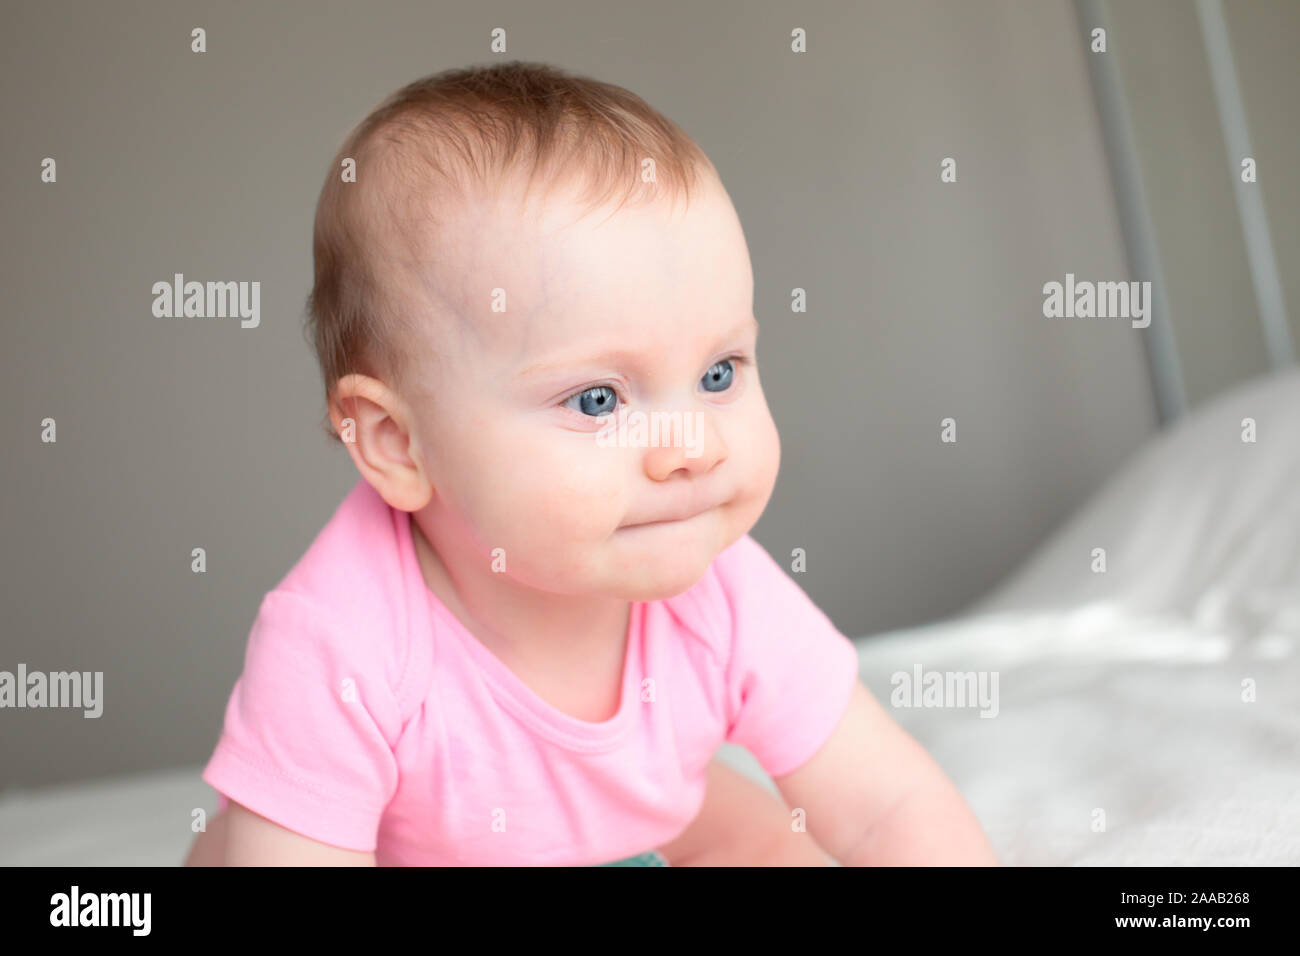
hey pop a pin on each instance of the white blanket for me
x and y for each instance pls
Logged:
(1119, 739)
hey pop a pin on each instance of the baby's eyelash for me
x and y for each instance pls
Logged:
(612, 386)
(738, 359)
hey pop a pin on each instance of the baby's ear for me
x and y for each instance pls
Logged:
(371, 421)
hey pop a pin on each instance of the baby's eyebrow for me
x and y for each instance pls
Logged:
(621, 355)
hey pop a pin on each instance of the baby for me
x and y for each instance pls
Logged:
(525, 633)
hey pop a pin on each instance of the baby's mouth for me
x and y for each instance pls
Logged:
(665, 522)
(688, 507)
(658, 524)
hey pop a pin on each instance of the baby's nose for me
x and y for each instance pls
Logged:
(695, 447)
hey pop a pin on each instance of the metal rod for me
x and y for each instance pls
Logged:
(1134, 212)
(1249, 196)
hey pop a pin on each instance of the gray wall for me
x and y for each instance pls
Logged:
(925, 302)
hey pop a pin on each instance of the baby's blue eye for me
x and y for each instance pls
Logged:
(718, 378)
(595, 401)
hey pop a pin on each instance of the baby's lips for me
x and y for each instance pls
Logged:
(689, 510)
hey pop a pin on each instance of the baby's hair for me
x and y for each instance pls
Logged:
(453, 133)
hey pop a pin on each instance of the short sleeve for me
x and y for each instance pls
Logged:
(310, 726)
(790, 672)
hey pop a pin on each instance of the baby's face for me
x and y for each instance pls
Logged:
(640, 313)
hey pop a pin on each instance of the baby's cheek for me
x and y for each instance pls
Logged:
(760, 456)
(568, 494)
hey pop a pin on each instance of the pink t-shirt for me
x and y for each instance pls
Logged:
(367, 716)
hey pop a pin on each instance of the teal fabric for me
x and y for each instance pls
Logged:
(650, 858)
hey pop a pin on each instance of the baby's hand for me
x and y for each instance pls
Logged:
(874, 797)
(741, 824)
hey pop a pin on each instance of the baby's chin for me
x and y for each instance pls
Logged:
(653, 584)
(657, 562)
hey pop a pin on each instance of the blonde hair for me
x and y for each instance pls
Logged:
(457, 131)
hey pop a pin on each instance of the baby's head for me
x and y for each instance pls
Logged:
(523, 251)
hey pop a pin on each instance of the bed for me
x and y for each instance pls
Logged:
(1145, 715)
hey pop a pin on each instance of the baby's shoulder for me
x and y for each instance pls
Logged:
(354, 570)
(711, 607)
(745, 591)
(349, 597)
(741, 573)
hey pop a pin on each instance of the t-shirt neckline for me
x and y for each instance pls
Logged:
(510, 690)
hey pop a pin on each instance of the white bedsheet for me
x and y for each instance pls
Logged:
(1141, 718)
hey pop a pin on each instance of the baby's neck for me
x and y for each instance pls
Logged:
(519, 624)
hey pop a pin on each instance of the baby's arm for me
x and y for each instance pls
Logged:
(874, 797)
(240, 837)
(741, 824)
